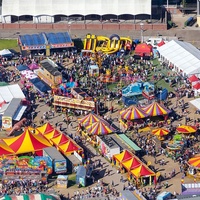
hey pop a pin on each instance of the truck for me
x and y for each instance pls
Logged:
(59, 163)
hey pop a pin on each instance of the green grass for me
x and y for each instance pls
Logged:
(71, 180)
(9, 44)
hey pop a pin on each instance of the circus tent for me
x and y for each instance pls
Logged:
(60, 139)
(122, 157)
(89, 119)
(186, 129)
(5, 149)
(51, 134)
(195, 161)
(68, 147)
(132, 113)
(193, 78)
(160, 132)
(141, 171)
(46, 128)
(132, 163)
(155, 109)
(27, 142)
(99, 128)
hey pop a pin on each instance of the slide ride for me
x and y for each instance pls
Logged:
(125, 43)
(114, 44)
(90, 42)
(102, 43)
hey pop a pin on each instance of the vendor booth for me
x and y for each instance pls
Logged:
(144, 51)
(58, 161)
(62, 181)
(81, 176)
(73, 103)
(93, 70)
(107, 145)
(14, 111)
(40, 85)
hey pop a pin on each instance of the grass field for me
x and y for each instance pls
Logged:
(9, 44)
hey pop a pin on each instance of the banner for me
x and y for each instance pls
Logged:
(73, 103)
(6, 123)
(60, 166)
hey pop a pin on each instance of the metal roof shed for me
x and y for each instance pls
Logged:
(53, 153)
(12, 107)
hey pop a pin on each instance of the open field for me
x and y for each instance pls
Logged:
(9, 44)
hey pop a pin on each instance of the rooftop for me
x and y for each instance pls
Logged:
(50, 66)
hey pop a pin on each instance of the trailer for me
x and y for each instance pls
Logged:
(59, 163)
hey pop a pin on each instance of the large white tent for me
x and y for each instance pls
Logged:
(7, 93)
(182, 55)
(50, 8)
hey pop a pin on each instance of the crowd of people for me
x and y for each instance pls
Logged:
(139, 70)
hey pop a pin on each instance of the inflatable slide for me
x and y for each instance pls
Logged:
(102, 43)
(108, 45)
(90, 42)
(125, 43)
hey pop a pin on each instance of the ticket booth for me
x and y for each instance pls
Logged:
(94, 70)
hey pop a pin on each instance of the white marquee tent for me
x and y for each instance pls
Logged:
(74, 7)
(182, 55)
(7, 93)
(5, 52)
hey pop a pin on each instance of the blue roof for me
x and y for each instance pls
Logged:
(32, 40)
(58, 38)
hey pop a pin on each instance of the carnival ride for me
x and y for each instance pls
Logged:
(126, 43)
(90, 42)
(102, 43)
(139, 88)
(14, 164)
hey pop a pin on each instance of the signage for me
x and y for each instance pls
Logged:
(60, 166)
(6, 123)
(63, 45)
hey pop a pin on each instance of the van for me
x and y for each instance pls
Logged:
(154, 41)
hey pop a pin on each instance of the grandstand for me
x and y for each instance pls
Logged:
(42, 40)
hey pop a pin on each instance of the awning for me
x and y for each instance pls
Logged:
(19, 113)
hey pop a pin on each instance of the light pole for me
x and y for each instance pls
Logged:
(69, 27)
(141, 31)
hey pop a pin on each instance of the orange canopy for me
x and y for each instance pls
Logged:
(5, 149)
(142, 170)
(46, 128)
(124, 156)
(51, 134)
(195, 161)
(89, 119)
(27, 142)
(33, 130)
(60, 139)
(132, 163)
(68, 147)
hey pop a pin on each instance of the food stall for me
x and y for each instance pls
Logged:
(62, 181)
(93, 70)
(58, 160)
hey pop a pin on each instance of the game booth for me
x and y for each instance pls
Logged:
(94, 70)
(73, 103)
(62, 181)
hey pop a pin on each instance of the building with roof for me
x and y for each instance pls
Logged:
(49, 11)
(183, 57)
(49, 73)
(45, 41)
(11, 107)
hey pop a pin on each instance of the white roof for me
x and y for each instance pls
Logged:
(5, 52)
(196, 103)
(11, 91)
(183, 55)
(69, 7)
